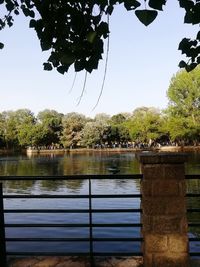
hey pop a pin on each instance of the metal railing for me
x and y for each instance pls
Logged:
(4, 252)
(193, 211)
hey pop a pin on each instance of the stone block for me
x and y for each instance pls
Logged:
(170, 260)
(155, 243)
(147, 223)
(146, 188)
(165, 188)
(176, 205)
(174, 171)
(162, 158)
(163, 206)
(167, 224)
(153, 171)
(153, 206)
(148, 259)
(182, 188)
(178, 243)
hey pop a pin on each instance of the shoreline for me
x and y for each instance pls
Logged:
(102, 150)
(115, 150)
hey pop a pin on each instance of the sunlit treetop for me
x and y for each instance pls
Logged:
(74, 32)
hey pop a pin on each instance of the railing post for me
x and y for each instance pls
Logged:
(2, 231)
(164, 210)
(90, 223)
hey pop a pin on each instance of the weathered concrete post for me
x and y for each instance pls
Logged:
(164, 210)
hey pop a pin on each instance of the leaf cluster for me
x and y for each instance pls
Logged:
(74, 31)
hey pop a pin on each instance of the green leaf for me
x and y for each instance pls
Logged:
(45, 45)
(32, 23)
(198, 59)
(16, 12)
(109, 9)
(91, 36)
(188, 17)
(47, 66)
(187, 4)
(1, 45)
(190, 67)
(31, 13)
(62, 69)
(146, 16)
(103, 29)
(182, 64)
(79, 65)
(10, 6)
(67, 59)
(155, 4)
(131, 4)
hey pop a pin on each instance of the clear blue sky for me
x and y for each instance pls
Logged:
(141, 63)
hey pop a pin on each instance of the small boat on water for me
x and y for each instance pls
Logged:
(113, 169)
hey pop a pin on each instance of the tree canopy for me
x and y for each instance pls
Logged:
(183, 113)
(74, 31)
(179, 123)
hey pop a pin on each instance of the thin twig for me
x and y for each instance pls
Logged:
(105, 70)
(73, 83)
(83, 90)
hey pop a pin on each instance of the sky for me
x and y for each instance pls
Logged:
(141, 63)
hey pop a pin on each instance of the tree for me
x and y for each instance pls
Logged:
(145, 125)
(25, 122)
(91, 135)
(73, 124)
(184, 106)
(119, 131)
(97, 132)
(51, 121)
(74, 31)
(2, 139)
(10, 129)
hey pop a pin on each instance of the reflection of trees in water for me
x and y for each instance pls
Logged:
(98, 163)
(36, 165)
(193, 163)
(18, 186)
(74, 185)
(46, 185)
(71, 185)
(193, 186)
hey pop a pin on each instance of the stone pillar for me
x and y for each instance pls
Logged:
(164, 210)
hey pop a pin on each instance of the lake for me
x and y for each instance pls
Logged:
(81, 163)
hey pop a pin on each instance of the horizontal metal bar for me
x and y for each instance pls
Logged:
(71, 196)
(75, 225)
(194, 224)
(72, 177)
(192, 176)
(113, 239)
(86, 239)
(71, 210)
(39, 253)
(194, 254)
(192, 210)
(83, 239)
(192, 239)
(192, 195)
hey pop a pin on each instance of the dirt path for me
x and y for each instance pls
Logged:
(76, 262)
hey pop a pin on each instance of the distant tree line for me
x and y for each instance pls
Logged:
(178, 124)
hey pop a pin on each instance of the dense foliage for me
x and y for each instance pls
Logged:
(178, 124)
(74, 31)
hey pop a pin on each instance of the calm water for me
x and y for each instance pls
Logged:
(80, 163)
